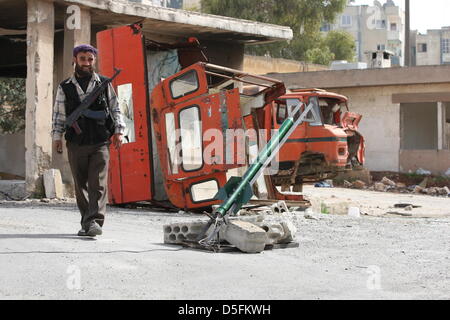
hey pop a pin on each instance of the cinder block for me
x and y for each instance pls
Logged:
(246, 236)
(177, 233)
(53, 184)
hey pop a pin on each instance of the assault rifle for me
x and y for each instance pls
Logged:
(82, 109)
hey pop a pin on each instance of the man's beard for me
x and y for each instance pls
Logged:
(83, 72)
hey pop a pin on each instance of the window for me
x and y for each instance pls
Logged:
(191, 138)
(422, 47)
(281, 111)
(325, 27)
(381, 47)
(184, 84)
(393, 27)
(204, 191)
(445, 45)
(346, 21)
(380, 24)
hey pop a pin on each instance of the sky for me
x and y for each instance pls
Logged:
(425, 14)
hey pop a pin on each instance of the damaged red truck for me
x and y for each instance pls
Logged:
(188, 125)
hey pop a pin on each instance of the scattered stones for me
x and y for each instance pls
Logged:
(445, 191)
(358, 184)
(432, 191)
(378, 186)
(401, 185)
(347, 184)
(418, 189)
(388, 182)
(45, 200)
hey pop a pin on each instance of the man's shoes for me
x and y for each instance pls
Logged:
(94, 230)
(82, 233)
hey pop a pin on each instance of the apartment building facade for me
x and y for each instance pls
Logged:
(374, 28)
(431, 48)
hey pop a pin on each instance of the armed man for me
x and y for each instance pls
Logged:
(87, 111)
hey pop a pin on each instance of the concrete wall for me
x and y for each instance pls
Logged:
(380, 125)
(436, 161)
(12, 155)
(263, 65)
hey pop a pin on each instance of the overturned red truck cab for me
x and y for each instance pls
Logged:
(187, 123)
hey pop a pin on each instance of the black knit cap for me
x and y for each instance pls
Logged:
(84, 48)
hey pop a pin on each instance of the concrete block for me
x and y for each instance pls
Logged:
(279, 208)
(177, 233)
(280, 232)
(53, 184)
(246, 236)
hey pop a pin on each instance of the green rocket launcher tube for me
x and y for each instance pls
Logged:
(235, 200)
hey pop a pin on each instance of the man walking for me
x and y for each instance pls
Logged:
(88, 151)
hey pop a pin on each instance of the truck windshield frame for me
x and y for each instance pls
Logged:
(184, 80)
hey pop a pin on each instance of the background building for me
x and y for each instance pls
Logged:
(374, 28)
(431, 48)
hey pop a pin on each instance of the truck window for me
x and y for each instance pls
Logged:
(184, 84)
(191, 138)
(281, 111)
(331, 111)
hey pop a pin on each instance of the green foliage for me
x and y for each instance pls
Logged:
(305, 17)
(319, 56)
(12, 105)
(341, 44)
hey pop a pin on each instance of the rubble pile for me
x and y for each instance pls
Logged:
(387, 185)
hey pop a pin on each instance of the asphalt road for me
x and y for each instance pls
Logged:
(338, 258)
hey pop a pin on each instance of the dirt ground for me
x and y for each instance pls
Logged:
(376, 256)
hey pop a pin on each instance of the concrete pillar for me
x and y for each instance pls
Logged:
(440, 126)
(77, 30)
(39, 90)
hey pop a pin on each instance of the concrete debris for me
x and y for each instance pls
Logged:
(358, 184)
(388, 182)
(279, 208)
(347, 184)
(378, 186)
(53, 184)
(249, 234)
(418, 189)
(177, 233)
(401, 185)
(246, 236)
(354, 212)
(409, 208)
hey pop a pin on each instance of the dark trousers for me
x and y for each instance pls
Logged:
(89, 165)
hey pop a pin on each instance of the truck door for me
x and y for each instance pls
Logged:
(197, 142)
(130, 172)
